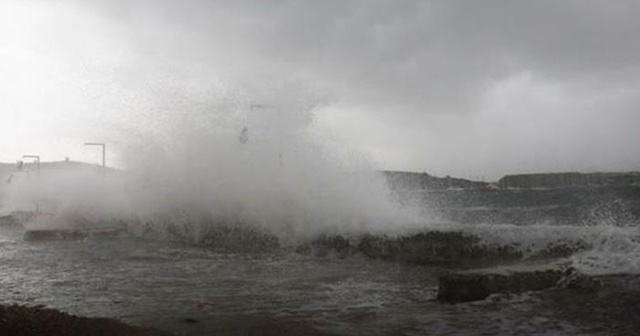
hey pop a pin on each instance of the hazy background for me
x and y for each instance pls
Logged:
(465, 88)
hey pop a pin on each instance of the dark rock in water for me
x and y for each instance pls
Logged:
(217, 236)
(378, 247)
(449, 248)
(561, 249)
(7, 221)
(26, 321)
(69, 234)
(328, 245)
(238, 239)
(479, 284)
(573, 279)
(434, 247)
(425, 248)
(17, 218)
(46, 235)
(107, 233)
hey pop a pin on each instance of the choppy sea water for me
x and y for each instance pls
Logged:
(188, 289)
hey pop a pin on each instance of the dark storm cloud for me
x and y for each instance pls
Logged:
(424, 56)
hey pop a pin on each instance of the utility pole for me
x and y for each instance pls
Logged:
(104, 154)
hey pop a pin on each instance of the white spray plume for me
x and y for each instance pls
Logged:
(238, 162)
(260, 164)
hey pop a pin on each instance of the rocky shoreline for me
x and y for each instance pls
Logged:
(37, 321)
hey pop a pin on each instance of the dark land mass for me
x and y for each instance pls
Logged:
(399, 180)
(37, 321)
(556, 199)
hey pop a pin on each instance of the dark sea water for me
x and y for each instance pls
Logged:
(188, 289)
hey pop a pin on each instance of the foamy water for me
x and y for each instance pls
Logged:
(160, 284)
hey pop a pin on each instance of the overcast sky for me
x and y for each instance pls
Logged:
(463, 88)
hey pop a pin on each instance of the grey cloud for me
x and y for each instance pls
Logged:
(427, 56)
(401, 61)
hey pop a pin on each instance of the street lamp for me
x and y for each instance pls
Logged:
(104, 151)
(36, 157)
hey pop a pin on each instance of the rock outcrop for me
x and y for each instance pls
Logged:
(36, 321)
(479, 284)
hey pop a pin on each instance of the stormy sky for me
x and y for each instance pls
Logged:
(465, 88)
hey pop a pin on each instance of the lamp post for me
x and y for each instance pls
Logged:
(104, 153)
(37, 159)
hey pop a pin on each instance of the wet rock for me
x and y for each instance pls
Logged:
(572, 279)
(560, 249)
(107, 233)
(424, 248)
(17, 218)
(435, 248)
(447, 248)
(8, 221)
(378, 247)
(328, 246)
(71, 234)
(218, 236)
(479, 284)
(238, 239)
(47, 235)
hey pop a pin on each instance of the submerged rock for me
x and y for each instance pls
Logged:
(479, 284)
(447, 248)
(216, 236)
(560, 249)
(7, 221)
(328, 245)
(434, 247)
(47, 235)
(424, 248)
(238, 240)
(69, 234)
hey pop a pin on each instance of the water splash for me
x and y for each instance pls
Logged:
(230, 161)
(260, 165)
(616, 251)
